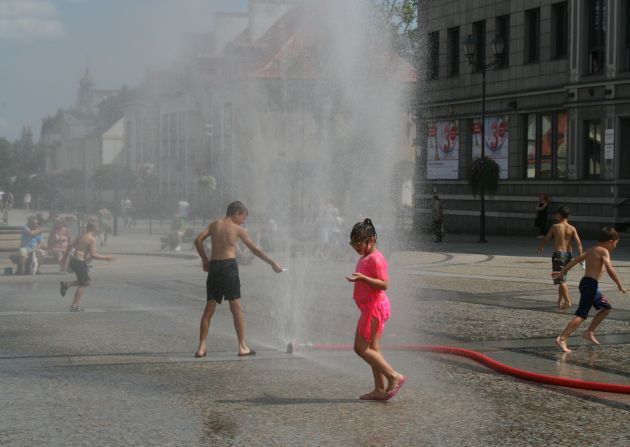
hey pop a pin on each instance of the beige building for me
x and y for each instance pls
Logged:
(87, 135)
(253, 103)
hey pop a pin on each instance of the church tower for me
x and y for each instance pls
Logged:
(85, 96)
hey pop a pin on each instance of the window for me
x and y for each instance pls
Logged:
(545, 140)
(164, 152)
(531, 145)
(546, 155)
(626, 38)
(593, 148)
(453, 44)
(138, 143)
(559, 30)
(479, 33)
(181, 150)
(129, 141)
(433, 59)
(596, 36)
(502, 27)
(561, 144)
(172, 135)
(532, 35)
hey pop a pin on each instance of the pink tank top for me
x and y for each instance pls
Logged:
(373, 265)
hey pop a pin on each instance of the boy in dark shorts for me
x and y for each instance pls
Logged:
(82, 248)
(597, 258)
(563, 235)
(223, 280)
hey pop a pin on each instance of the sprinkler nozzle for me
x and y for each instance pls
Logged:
(293, 346)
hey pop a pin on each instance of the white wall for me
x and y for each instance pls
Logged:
(113, 142)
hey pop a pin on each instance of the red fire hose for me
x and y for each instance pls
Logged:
(497, 366)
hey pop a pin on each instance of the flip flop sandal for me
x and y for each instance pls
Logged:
(393, 392)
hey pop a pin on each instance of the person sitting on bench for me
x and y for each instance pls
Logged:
(30, 245)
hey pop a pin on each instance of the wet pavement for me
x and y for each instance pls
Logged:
(122, 372)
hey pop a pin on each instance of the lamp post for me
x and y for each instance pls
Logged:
(470, 50)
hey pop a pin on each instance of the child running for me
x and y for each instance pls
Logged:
(370, 282)
(78, 252)
(597, 258)
(563, 234)
(223, 280)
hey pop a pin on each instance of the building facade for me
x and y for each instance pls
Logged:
(259, 106)
(557, 117)
(87, 135)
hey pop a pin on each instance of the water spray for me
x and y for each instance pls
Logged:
(294, 346)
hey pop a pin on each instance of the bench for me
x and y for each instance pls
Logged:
(10, 239)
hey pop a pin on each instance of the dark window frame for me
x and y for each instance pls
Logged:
(560, 30)
(433, 56)
(626, 38)
(502, 29)
(479, 33)
(596, 27)
(532, 36)
(453, 49)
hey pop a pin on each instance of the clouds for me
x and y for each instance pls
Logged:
(29, 20)
(45, 44)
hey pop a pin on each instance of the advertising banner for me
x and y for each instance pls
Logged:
(497, 139)
(443, 150)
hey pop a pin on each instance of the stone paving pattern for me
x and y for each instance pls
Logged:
(122, 372)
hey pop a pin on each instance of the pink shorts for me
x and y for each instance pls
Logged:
(379, 310)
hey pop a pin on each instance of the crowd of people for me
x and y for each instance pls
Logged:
(228, 237)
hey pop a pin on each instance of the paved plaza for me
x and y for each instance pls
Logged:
(122, 372)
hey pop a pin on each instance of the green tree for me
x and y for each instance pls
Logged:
(7, 169)
(114, 177)
(29, 158)
(403, 17)
(71, 179)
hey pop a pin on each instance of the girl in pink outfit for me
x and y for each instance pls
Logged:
(370, 282)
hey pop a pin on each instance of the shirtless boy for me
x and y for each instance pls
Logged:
(223, 280)
(82, 248)
(563, 234)
(597, 258)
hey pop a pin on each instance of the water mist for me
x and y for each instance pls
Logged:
(331, 127)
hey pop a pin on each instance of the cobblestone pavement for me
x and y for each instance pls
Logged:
(122, 372)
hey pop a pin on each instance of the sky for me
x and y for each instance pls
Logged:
(46, 45)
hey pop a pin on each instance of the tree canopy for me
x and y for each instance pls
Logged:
(114, 176)
(20, 162)
(403, 17)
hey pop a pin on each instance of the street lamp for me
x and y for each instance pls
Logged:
(470, 50)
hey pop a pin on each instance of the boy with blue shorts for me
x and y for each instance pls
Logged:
(597, 258)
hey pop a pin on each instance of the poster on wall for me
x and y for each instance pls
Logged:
(443, 150)
(496, 136)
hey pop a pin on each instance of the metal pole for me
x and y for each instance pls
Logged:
(482, 214)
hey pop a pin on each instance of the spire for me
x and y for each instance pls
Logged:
(85, 94)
